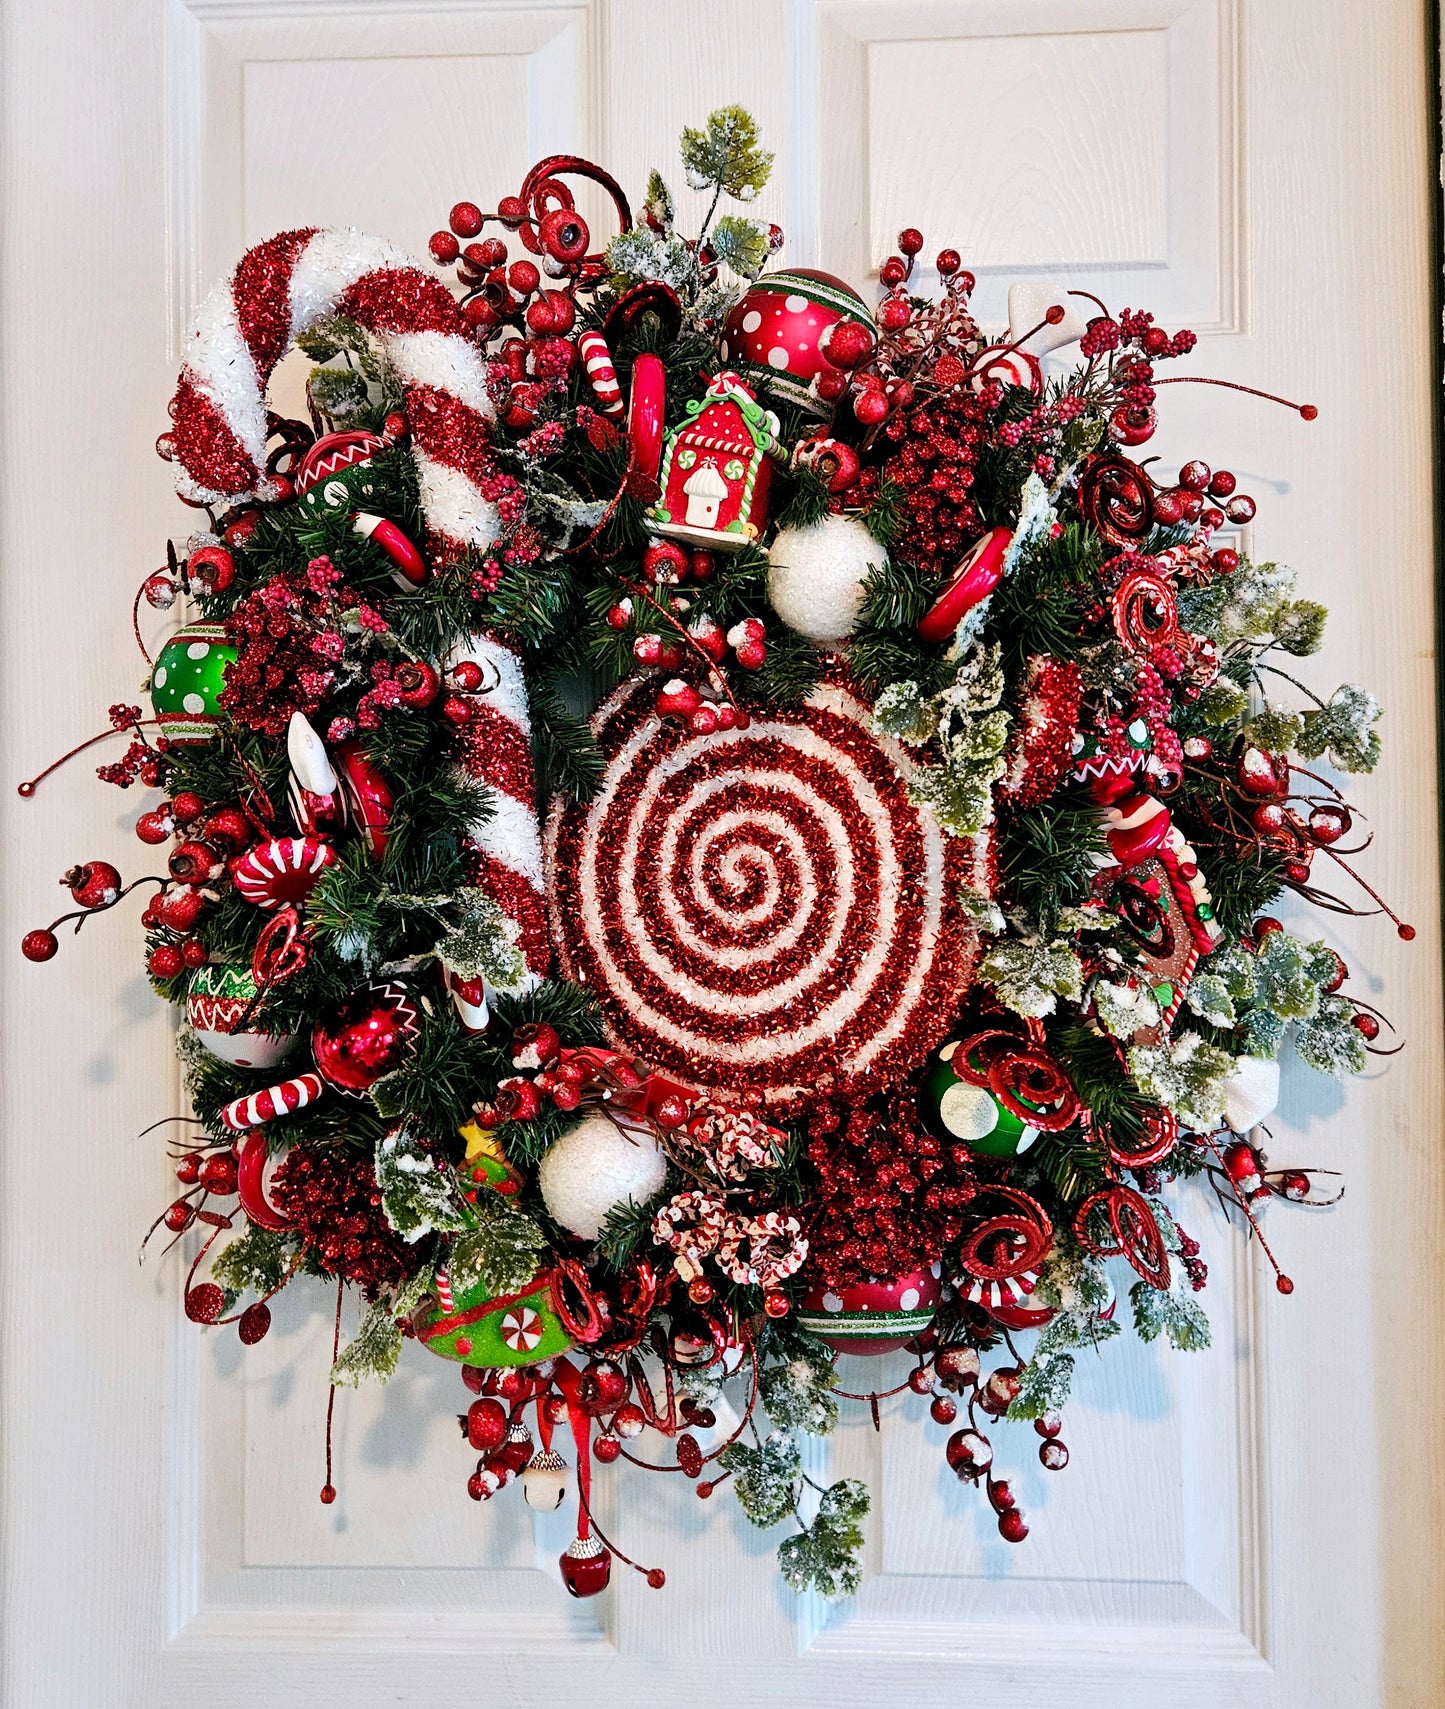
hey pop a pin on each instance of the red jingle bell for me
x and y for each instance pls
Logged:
(586, 1567)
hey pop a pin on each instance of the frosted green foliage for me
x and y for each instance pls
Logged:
(1186, 1075)
(765, 1478)
(971, 731)
(1171, 1312)
(417, 1197)
(341, 393)
(1276, 729)
(485, 944)
(1029, 977)
(257, 1260)
(1300, 627)
(1261, 1034)
(1124, 1008)
(825, 1556)
(725, 155)
(641, 254)
(373, 1353)
(1234, 965)
(1284, 980)
(1076, 1286)
(503, 1251)
(1223, 702)
(797, 1392)
(1087, 920)
(1331, 1042)
(1240, 607)
(742, 244)
(1168, 1232)
(982, 910)
(1345, 729)
(901, 711)
(1044, 1385)
(1209, 997)
(657, 204)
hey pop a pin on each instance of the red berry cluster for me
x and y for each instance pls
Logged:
(887, 1199)
(333, 1199)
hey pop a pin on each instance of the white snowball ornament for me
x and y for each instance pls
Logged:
(816, 576)
(595, 1166)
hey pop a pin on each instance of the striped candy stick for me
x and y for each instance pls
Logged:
(218, 440)
(259, 1108)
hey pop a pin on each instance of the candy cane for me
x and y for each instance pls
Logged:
(218, 440)
(504, 848)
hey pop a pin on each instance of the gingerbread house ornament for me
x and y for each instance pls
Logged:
(717, 468)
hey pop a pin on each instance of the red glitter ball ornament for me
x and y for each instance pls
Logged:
(371, 1034)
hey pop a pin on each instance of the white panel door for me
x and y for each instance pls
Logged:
(1258, 1525)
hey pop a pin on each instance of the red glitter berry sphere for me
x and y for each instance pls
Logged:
(486, 1425)
(39, 945)
(95, 884)
(465, 219)
(1011, 1526)
(165, 961)
(606, 1449)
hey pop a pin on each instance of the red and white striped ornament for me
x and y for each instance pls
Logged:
(284, 870)
(261, 1107)
(504, 850)
(762, 910)
(601, 373)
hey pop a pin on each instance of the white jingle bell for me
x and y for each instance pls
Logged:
(817, 576)
(596, 1165)
(1251, 1092)
(544, 1482)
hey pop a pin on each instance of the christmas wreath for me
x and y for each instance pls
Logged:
(711, 825)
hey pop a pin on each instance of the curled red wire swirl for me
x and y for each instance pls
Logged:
(1133, 1232)
(1010, 1241)
(1117, 498)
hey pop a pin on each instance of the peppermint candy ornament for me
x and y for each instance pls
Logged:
(283, 871)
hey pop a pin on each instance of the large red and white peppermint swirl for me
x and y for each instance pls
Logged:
(218, 439)
(762, 909)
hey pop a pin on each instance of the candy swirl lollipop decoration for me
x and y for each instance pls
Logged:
(761, 909)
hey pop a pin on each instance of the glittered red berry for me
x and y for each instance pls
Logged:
(1225, 561)
(94, 884)
(665, 561)
(466, 676)
(871, 408)
(188, 1169)
(218, 1174)
(1011, 1526)
(606, 1449)
(154, 827)
(893, 271)
(949, 261)
(187, 806)
(1222, 483)
(1367, 1025)
(191, 862)
(1168, 507)
(564, 235)
(910, 240)
(194, 953)
(160, 591)
(444, 248)
(465, 219)
(178, 1216)
(164, 961)
(944, 1409)
(847, 344)
(703, 721)
(776, 1303)
(456, 711)
(1049, 1423)
(895, 314)
(830, 385)
(1329, 823)
(1053, 1456)
(1195, 476)
(1240, 509)
(1264, 925)
(39, 945)
(486, 1425)
(523, 277)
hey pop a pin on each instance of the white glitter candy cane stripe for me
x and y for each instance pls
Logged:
(262, 1107)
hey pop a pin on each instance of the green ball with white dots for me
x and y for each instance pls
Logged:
(187, 681)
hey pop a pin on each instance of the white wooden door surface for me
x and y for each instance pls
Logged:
(1257, 1525)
